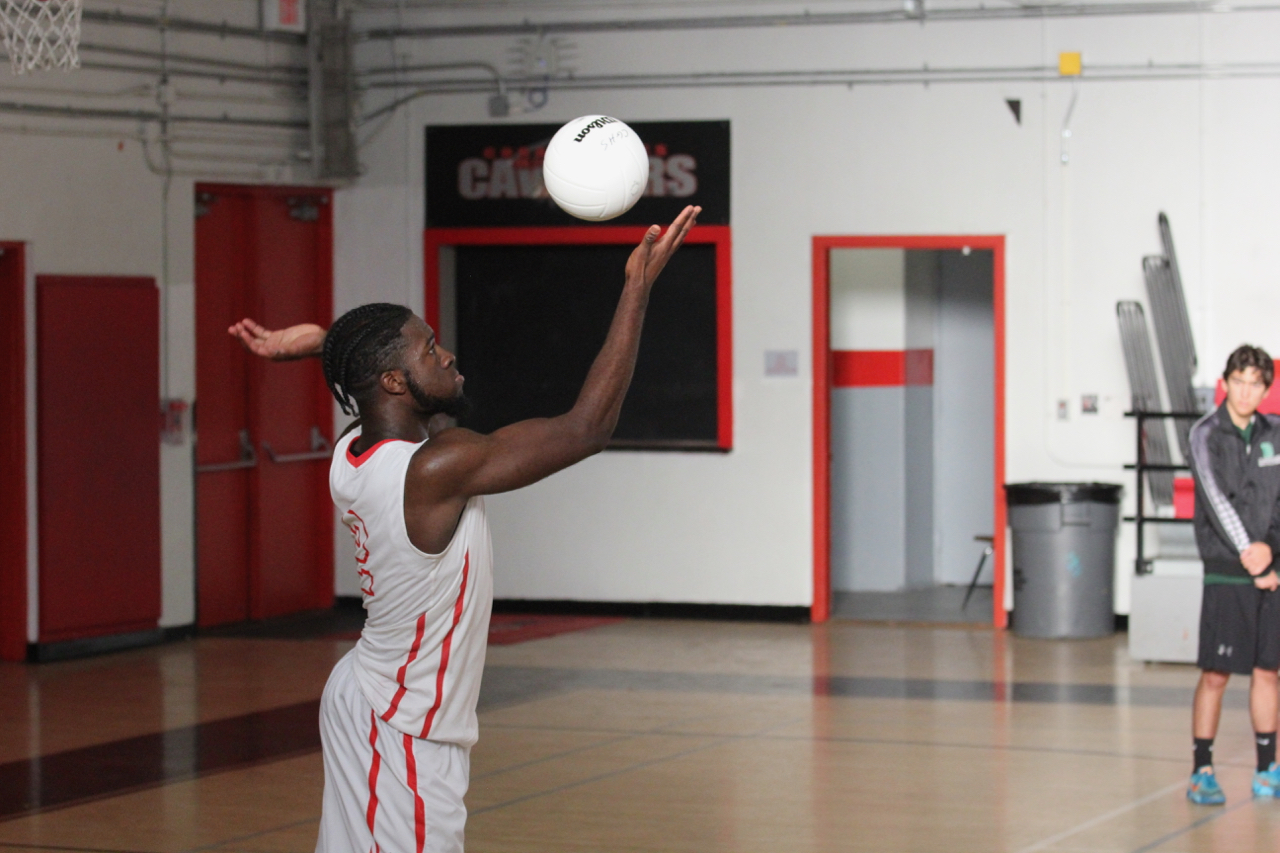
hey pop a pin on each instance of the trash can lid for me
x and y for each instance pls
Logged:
(1027, 494)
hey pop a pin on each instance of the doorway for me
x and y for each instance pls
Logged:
(264, 430)
(908, 438)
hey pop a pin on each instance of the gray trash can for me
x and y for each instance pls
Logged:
(1064, 546)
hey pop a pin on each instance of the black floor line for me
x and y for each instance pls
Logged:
(136, 763)
(117, 767)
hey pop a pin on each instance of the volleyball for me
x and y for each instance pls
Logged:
(595, 168)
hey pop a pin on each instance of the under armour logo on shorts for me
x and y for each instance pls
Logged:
(1224, 650)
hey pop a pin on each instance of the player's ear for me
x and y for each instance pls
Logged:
(393, 382)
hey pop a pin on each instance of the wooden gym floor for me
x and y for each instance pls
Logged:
(648, 735)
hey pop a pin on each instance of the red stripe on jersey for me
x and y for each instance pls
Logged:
(448, 643)
(372, 810)
(413, 653)
(419, 808)
(367, 454)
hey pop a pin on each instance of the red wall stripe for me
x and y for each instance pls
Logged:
(919, 366)
(868, 368)
(881, 368)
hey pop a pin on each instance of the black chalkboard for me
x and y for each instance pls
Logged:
(530, 320)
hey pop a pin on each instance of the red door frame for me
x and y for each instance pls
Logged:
(716, 235)
(822, 369)
(13, 452)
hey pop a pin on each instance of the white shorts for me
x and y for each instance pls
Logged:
(385, 791)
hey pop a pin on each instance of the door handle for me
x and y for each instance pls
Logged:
(248, 458)
(320, 449)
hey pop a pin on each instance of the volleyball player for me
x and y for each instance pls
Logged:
(398, 714)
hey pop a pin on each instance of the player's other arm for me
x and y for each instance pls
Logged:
(461, 463)
(302, 341)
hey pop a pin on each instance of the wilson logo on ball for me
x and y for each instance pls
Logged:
(600, 122)
(600, 178)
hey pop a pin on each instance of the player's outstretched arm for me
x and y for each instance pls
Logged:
(302, 341)
(460, 463)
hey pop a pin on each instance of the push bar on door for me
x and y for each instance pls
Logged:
(320, 449)
(248, 458)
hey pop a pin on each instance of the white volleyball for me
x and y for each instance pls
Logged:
(595, 168)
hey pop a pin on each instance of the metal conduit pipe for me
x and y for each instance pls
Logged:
(295, 70)
(146, 116)
(419, 93)
(1115, 73)
(191, 25)
(114, 133)
(220, 76)
(807, 19)
(148, 94)
(444, 66)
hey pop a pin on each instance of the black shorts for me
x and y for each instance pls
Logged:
(1239, 628)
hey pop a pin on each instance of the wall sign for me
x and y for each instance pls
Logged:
(491, 174)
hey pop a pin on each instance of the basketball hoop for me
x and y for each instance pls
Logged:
(41, 34)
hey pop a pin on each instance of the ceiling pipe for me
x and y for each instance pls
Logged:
(299, 71)
(850, 78)
(807, 19)
(220, 76)
(191, 25)
(145, 116)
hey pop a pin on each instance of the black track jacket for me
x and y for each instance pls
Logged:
(1237, 489)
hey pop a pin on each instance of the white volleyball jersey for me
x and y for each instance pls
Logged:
(421, 653)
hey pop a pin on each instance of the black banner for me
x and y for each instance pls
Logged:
(491, 174)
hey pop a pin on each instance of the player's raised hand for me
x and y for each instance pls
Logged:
(301, 341)
(654, 251)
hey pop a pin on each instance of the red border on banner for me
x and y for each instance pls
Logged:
(595, 235)
(823, 381)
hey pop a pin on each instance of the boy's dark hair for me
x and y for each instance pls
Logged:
(1247, 356)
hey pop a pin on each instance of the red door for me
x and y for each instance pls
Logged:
(264, 519)
(13, 451)
(98, 411)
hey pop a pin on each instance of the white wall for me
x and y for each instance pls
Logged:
(906, 159)
(88, 198)
(937, 159)
(868, 299)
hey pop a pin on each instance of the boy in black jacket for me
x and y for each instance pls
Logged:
(1235, 458)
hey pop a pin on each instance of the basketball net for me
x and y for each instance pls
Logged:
(41, 34)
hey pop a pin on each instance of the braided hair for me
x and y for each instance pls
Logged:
(360, 346)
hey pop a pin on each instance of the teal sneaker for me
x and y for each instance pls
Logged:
(1266, 783)
(1205, 790)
